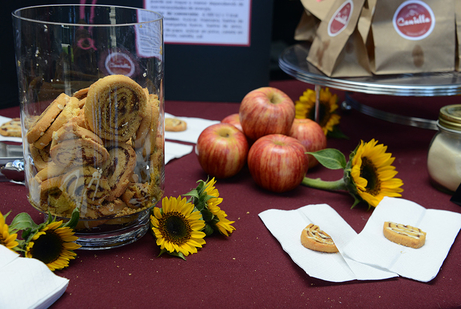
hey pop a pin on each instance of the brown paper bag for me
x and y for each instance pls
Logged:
(413, 36)
(306, 28)
(458, 33)
(318, 8)
(338, 49)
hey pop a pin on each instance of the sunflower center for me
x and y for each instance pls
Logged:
(370, 173)
(48, 247)
(324, 113)
(175, 228)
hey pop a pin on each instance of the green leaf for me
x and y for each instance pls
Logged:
(330, 158)
(208, 230)
(174, 253)
(72, 223)
(22, 221)
(337, 133)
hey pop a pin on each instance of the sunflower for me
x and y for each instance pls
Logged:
(178, 227)
(7, 239)
(368, 176)
(219, 219)
(53, 245)
(305, 108)
(373, 174)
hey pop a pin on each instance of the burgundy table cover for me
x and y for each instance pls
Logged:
(250, 269)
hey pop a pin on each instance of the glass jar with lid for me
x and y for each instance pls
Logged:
(444, 157)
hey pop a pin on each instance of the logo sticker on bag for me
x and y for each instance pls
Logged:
(414, 20)
(340, 18)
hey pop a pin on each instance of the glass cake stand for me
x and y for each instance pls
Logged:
(293, 62)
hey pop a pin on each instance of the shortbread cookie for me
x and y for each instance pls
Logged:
(114, 106)
(404, 235)
(119, 169)
(11, 128)
(43, 122)
(312, 237)
(76, 146)
(70, 110)
(175, 125)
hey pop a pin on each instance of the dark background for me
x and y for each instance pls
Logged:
(285, 17)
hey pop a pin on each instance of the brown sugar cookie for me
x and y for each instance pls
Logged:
(119, 169)
(114, 107)
(11, 128)
(312, 237)
(175, 125)
(404, 235)
(70, 110)
(74, 145)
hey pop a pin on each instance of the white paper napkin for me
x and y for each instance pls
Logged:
(27, 283)
(8, 138)
(175, 150)
(286, 226)
(195, 126)
(422, 264)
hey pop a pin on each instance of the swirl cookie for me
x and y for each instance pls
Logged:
(40, 157)
(404, 235)
(312, 237)
(43, 122)
(86, 185)
(114, 107)
(149, 122)
(175, 125)
(11, 128)
(74, 145)
(119, 169)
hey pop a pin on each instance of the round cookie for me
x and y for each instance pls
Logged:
(312, 237)
(70, 110)
(119, 169)
(11, 128)
(114, 107)
(86, 185)
(404, 235)
(43, 122)
(175, 125)
(40, 157)
(76, 146)
(81, 94)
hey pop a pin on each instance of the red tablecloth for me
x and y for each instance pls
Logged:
(250, 269)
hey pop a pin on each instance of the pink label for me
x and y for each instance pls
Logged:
(414, 20)
(119, 63)
(340, 18)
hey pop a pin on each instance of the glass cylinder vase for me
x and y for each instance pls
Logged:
(92, 112)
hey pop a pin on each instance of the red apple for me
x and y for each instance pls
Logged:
(233, 119)
(222, 150)
(266, 110)
(278, 162)
(311, 135)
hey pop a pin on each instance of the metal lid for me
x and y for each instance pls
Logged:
(450, 117)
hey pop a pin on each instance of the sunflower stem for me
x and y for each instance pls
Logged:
(324, 185)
